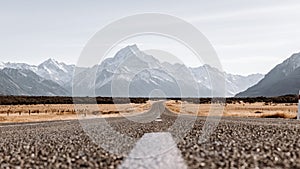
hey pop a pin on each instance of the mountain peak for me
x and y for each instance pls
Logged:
(51, 60)
(51, 63)
(132, 48)
(127, 51)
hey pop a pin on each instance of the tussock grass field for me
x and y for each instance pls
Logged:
(239, 109)
(49, 112)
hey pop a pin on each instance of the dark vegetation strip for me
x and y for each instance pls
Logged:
(27, 100)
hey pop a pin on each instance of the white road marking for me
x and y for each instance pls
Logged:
(155, 151)
(158, 119)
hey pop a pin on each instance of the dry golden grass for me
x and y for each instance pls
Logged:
(44, 112)
(260, 110)
(20, 113)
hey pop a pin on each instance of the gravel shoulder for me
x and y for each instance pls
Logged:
(236, 143)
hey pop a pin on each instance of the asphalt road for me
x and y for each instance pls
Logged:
(236, 143)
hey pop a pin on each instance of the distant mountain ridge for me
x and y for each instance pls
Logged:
(281, 80)
(26, 82)
(130, 67)
(171, 78)
(51, 69)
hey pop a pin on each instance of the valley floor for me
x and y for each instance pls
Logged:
(259, 109)
(53, 112)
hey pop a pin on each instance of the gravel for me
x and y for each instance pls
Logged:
(236, 143)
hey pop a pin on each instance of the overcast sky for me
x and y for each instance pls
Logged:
(249, 36)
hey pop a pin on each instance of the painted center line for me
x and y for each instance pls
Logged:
(155, 151)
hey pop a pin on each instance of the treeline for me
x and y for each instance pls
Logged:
(279, 99)
(232, 100)
(27, 100)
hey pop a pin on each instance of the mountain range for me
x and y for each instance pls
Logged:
(281, 80)
(26, 82)
(130, 72)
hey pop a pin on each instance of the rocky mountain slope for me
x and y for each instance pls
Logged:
(26, 82)
(281, 80)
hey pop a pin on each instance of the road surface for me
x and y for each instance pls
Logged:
(236, 143)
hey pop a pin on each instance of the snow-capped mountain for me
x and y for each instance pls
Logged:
(132, 72)
(50, 69)
(26, 82)
(281, 80)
